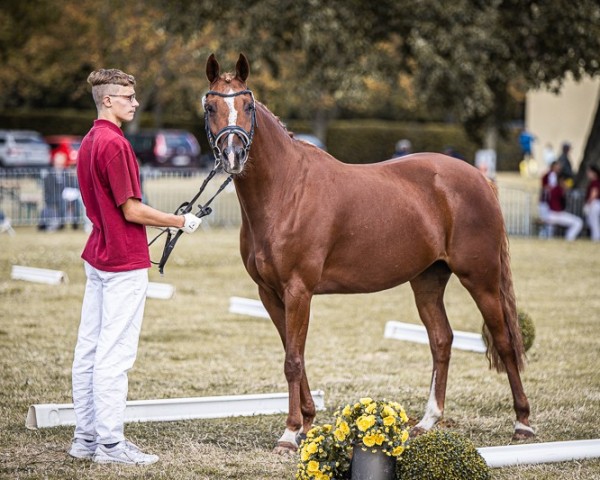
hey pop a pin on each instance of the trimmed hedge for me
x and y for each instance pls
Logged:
(351, 141)
(368, 141)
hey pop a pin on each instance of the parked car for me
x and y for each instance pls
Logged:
(166, 148)
(64, 149)
(23, 148)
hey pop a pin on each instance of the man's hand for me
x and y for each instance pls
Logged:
(190, 223)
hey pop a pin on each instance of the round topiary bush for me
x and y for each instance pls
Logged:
(527, 329)
(441, 455)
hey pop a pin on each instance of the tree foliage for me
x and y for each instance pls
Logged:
(469, 61)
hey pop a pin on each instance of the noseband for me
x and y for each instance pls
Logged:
(244, 136)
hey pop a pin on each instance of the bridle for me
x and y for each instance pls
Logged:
(244, 136)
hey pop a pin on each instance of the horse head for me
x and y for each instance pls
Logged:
(229, 114)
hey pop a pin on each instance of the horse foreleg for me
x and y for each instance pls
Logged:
(428, 289)
(301, 412)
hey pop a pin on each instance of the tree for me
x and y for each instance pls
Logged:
(473, 57)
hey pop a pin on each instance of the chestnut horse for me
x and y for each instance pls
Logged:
(314, 225)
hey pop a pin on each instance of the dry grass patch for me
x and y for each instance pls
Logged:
(191, 346)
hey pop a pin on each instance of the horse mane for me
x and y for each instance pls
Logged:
(275, 118)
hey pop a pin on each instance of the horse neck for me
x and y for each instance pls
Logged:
(272, 161)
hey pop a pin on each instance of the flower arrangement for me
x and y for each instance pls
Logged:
(326, 452)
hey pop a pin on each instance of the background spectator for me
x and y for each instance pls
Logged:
(591, 208)
(403, 147)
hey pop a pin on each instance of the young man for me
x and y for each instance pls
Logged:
(116, 260)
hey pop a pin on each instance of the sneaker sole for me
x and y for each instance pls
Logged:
(122, 462)
(81, 457)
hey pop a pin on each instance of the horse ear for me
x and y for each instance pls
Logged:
(242, 68)
(212, 68)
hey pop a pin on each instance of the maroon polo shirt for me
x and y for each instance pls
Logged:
(108, 175)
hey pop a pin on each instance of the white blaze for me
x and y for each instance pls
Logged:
(232, 118)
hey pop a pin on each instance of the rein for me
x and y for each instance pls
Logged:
(186, 207)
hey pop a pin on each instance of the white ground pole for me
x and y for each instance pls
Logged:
(533, 453)
(247, 306)
(417, 333)
(40, 275)
(54, 415)
(161, 291)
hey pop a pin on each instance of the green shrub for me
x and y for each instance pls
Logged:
(441, 455)
(527, 329)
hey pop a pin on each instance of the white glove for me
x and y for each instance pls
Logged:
(191, 223)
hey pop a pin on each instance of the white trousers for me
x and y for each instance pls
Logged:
(571, 222)
(107, 342)
(592, 213)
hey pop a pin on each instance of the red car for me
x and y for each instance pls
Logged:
(64, 149)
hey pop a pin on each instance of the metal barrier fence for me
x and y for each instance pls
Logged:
(49, 199)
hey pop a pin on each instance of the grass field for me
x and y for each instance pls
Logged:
(191, 346)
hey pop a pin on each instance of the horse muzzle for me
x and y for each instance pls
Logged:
(232, 148)
(233, 159)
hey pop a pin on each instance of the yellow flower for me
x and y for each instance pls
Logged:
(313, 467)
(327, 428)
(339, 435)
(346, 411)
(366, 400)
(388, 411)
(304, 455)
(403, 416)
(397, 451)
(371, 408)
(343, 426)
(369, 440)
(387, 421)
(404, 436)
(311, 448)
(379, 438)
(364, 422)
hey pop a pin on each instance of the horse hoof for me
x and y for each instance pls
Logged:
(416, 431)
(300, 438)
(523, 435)
(285, 448)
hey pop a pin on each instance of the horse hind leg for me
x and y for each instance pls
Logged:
(496, 303)
(428, 289)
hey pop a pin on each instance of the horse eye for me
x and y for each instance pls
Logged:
(209, 108)
(249, 107)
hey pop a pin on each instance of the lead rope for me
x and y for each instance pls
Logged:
(186, 207)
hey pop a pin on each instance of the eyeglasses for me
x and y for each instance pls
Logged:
(131, 97)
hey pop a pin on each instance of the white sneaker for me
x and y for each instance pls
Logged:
(124, 452)
(82, 449)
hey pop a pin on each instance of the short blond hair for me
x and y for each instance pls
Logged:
(101, 81)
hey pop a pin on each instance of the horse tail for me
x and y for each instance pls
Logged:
(509, 310)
